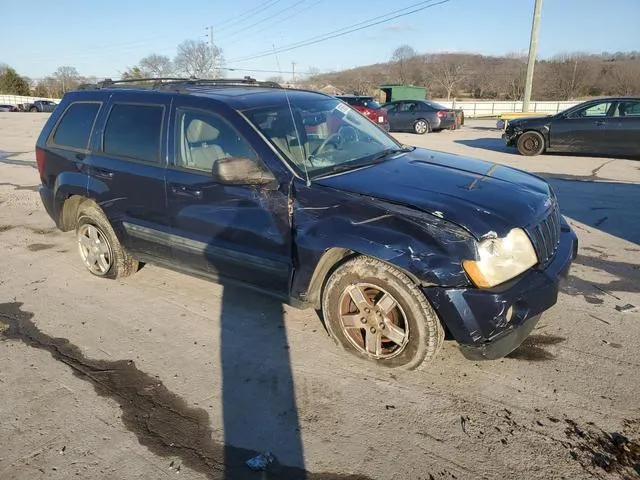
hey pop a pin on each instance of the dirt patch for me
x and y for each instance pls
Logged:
(4, 228)
(162, 421)
(36, 247)
(32, 188)
(532, 348)
(612, 452)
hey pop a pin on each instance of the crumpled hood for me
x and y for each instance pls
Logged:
(477, 195)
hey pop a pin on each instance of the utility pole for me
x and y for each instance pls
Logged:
(213, 51)
(533, 48)
(293, 72)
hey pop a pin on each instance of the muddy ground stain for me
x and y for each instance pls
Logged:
(161, 420)
(532, 348)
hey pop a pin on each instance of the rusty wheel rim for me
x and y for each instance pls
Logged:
(531, 143)
(373, 321)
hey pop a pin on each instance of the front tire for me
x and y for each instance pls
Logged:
(531, 143)
(33, 109)
(99, 247)
(376, 312)
(421, 127)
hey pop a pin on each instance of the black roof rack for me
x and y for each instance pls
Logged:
(177, 82)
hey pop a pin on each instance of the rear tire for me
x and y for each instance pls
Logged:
(531, 143)
(99, 247)
(421, 126)
(374, 311)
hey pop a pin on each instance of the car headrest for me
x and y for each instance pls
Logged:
(199, 131)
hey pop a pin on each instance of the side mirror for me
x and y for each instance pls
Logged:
(242, 171)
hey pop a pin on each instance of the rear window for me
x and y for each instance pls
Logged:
(75, 126)
(367, 102)
(133, 131)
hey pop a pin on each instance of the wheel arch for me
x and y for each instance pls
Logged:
(330, 260)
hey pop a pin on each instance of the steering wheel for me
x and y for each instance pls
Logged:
(326, 142)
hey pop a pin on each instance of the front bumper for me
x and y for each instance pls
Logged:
(477, 319)
(510, 137)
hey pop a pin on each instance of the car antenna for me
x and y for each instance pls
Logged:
(293, 120)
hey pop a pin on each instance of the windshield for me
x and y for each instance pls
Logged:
(322, 135)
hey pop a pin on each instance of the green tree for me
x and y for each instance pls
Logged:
(12, 83)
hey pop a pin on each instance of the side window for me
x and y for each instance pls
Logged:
(134, 131)
(203, 138)
(409, 107)
(629, 108)
(596, 110)
(391, 108)
(76, 124)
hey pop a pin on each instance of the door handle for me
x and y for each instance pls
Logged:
(186, 191)
(600, 122)
(101, 173)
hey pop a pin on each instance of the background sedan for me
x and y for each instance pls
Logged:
(609, 126)
(419, 116)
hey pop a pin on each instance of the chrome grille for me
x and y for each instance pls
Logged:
(546, 236)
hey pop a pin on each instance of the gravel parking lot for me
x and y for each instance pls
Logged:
(164, 373)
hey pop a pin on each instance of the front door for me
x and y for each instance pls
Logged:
(239, 232)
(583, 130)
(126, 169)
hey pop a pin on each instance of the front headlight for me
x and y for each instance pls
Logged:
(501, 259)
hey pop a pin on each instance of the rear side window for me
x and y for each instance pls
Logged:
(134, 131)
(75, 125)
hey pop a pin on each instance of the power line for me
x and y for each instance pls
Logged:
(346, 30)
(243, 17)
(284, 19)
(259, 22)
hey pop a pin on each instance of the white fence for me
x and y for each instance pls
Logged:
(16, 99)
(472, 109)
(490, 108)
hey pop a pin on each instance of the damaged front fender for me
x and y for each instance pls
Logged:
(429, 249)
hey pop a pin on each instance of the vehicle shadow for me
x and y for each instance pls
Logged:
(608, 206)
(258, 398)
(493, 144)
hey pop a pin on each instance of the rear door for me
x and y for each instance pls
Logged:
(126, 169)
(583, 130)
(624, 128)
(241, 232)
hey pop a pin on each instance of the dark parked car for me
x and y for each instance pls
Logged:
(368, 107)
(419, 116)
(609, 126)
(40, 106)
(293, 193)
(8, 108)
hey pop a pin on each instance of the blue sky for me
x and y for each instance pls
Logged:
(104, 38)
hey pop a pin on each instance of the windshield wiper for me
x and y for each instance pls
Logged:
(387, 152)
(378, 158)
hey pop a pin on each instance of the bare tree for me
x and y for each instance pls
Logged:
(155, 65)
(570, 75)
(447, 71)
(624, 76)
(67, 77)
(196, 59)
(400, 57)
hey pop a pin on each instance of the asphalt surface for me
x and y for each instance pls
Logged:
(163, 373)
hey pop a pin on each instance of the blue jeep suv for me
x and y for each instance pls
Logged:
(294, 193)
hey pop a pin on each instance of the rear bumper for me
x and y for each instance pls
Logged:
(477, 319)
(46, 195)
(444, 123)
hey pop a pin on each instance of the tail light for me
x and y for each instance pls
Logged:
(40, 158)
(441, 113)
